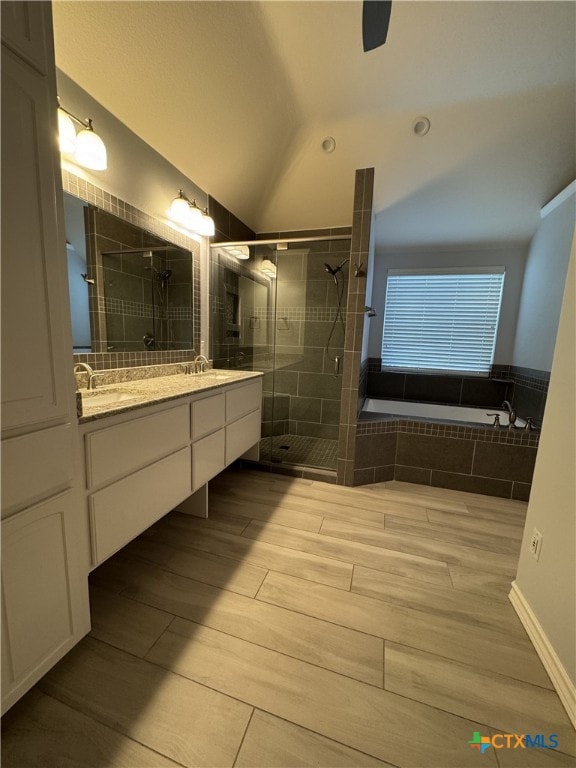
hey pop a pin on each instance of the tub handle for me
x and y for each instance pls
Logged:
(496, 419)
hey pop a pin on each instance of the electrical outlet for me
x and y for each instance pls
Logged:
(536, 544)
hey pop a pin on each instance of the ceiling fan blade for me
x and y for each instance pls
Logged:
(375, 20)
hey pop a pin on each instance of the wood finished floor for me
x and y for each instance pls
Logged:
(302, 624)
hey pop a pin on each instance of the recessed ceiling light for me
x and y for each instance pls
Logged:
(329, 144)
(421, 126)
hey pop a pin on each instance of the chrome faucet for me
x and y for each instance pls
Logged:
(511, 414)
(200, 362)
(78, 367)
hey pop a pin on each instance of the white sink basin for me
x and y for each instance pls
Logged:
(106, 398)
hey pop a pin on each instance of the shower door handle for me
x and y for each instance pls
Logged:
(336, 365)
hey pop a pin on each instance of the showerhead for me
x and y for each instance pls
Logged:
(166, 275)
(332, 270)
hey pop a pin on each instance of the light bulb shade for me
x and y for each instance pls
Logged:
(180, 210)
(66, 132)
(238, 251)
(90, 150)
(195, 217)
(268, 268)
(207, 228)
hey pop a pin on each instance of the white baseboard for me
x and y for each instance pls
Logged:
(565, 688)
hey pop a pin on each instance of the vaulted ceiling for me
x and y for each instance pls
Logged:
(240, 95)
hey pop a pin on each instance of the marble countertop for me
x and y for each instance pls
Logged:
(111, 399)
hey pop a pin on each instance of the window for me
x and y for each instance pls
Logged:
(442, 320)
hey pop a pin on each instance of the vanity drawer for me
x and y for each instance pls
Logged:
(243, 400)
(208, 415)
(124, 509)
(118, 450)
(207, 458)
(242, 435)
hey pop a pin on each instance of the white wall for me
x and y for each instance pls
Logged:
(549, 585)
(136, 173)
(544, 279)
(513, 257)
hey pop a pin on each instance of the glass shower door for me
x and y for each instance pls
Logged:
(282, 311)
(311, 290)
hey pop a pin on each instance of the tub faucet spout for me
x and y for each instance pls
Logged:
(511, 414)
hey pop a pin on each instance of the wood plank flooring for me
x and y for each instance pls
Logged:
(302, 624)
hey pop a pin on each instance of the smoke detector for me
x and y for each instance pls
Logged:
(421, 126)
(329, 144)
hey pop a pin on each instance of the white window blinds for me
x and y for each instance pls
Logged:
(442, 320)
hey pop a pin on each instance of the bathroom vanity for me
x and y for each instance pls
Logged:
(150, 446)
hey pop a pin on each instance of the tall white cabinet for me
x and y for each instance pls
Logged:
(45, 539)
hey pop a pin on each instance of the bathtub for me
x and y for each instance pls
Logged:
(435, 412)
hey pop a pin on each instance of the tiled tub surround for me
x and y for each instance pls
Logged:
(525, 388)
(529, 389)
(436, 412)
(495, 462)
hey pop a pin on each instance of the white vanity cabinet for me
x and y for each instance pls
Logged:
(208, 415)
(243, 419)
(224, 426)
(141, 464)
(136, 471)
(45, 555)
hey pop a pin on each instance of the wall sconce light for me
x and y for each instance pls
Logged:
(86, 147)
(238, 251)
(268, 268)
(189, 215)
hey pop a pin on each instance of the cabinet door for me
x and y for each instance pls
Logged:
(44, 604)
(27, 29)
(36, 341)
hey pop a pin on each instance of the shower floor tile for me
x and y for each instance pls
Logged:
(295, 449)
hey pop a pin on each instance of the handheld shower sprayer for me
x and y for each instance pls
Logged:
(334, 270)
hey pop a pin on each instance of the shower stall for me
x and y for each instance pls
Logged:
(279, 307)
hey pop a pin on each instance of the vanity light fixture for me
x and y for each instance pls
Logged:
(238, 251)
(189, 215)
(86, 147)
(268, 268)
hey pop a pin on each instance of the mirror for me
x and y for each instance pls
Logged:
(130, 290)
